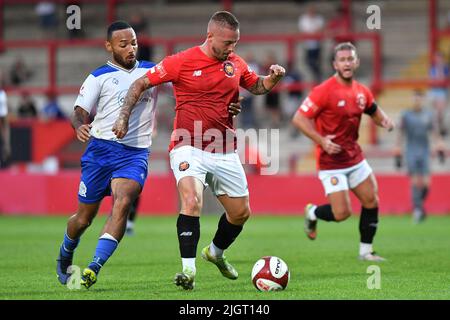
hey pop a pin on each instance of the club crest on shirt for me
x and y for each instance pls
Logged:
(361, 100)
(334, 181)
(228, 68)
(82, 189)
(183, 166)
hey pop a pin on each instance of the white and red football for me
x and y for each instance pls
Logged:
(270, 274)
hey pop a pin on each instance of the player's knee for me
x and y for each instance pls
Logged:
(123, 203)
(370, 202)
(239, 217)
(192, 204)
(83, 222)
(341, 214)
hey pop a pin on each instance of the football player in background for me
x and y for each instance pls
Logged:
(417, 124)
(5, 144)
(330, 116)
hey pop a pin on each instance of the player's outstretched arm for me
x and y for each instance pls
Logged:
(265, 84)
(382, 120)
(80, 122)
(307, 126)
(120, 127)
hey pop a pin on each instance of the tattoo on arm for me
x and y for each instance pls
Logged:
(133, 94)
(79, 117)
(258, 88)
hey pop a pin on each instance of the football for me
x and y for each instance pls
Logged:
(270, 274)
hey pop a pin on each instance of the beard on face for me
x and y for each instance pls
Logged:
(341, 75)
(127, 64)
(221, 56)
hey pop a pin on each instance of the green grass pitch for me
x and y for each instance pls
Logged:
(144, 264)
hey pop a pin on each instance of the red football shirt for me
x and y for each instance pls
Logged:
(204, 88)
(336, 109)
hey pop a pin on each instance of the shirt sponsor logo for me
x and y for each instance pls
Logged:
(197, 73)
(183, 166)
(228, 68)
(161, 70)
(306, 105)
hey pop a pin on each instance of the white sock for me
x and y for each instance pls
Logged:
(311, 214)
(189, 263)
(365, 248)
(216, 252)
(109, 237)
(130, 224)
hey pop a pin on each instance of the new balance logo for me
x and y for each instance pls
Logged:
(197, 73)
(186, 234)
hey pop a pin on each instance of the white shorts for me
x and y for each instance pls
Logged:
(344, 179)
(223, 172)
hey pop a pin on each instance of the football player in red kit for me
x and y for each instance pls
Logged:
(330, 116)
(206, 80)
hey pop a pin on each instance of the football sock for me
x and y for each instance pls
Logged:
(68, 246)
(324, 212)
(424, 193)
(106, 246)
(311, 215)
(188, 231)
(214, 250)
(417, 197)
(368, 224)
(188, 264)
(226, 233)
(365, 248)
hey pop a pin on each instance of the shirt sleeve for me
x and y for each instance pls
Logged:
(3, 104)
(370, 99)
(165, 71)
(89, 94)
(248, 76)
(313, 104)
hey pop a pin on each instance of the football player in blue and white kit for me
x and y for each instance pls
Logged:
(109, 165)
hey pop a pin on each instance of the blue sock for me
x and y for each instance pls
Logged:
(68, 246)
(105, 247)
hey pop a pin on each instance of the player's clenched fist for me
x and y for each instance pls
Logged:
(276, 72)
(120, 127)
(388, 124)
(83, 132)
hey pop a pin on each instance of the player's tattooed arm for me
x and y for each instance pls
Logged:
(80, 122)
(258, 88)
(120, 127)
(265, 84)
